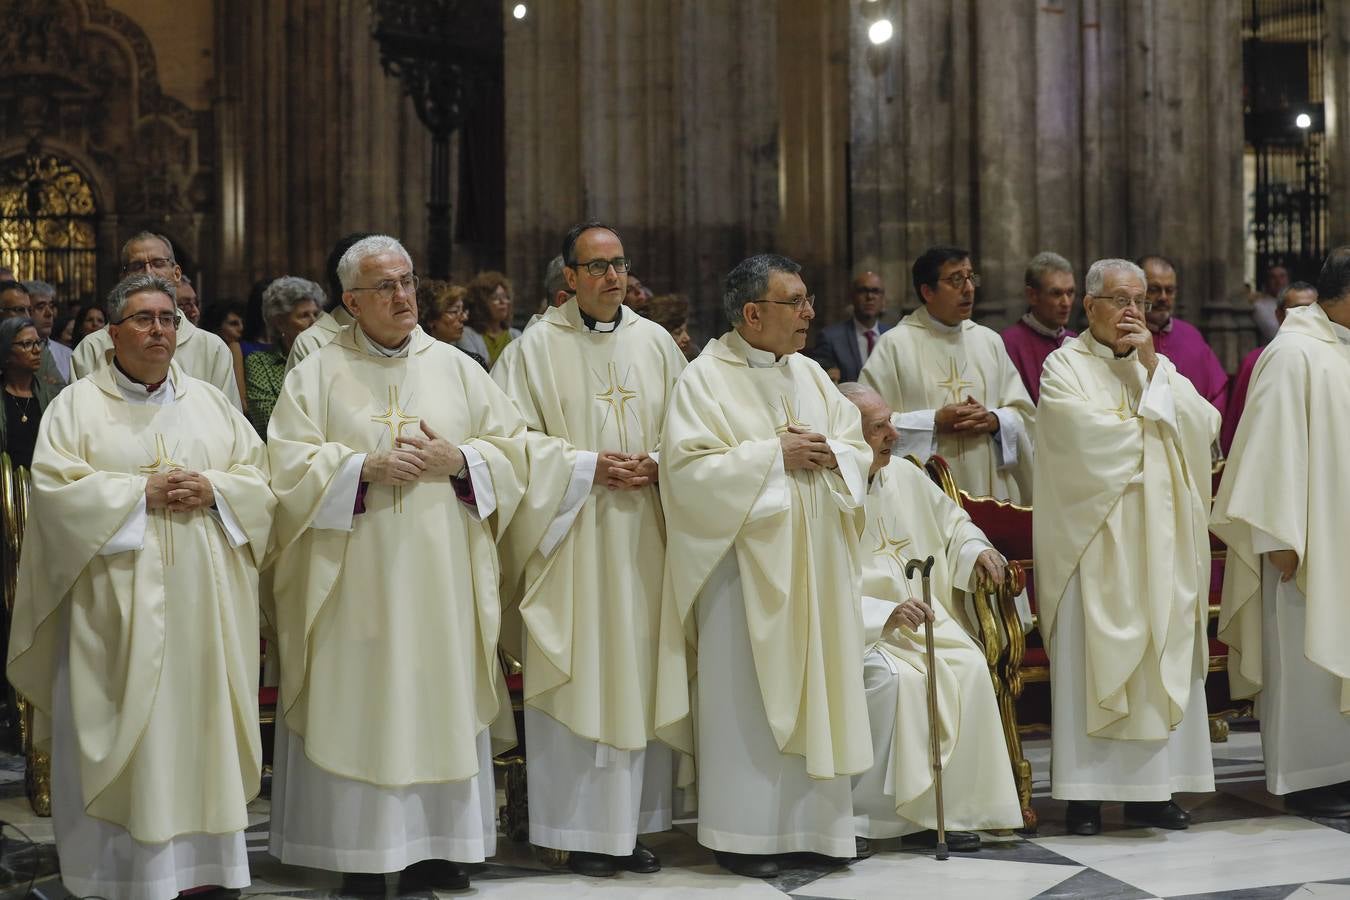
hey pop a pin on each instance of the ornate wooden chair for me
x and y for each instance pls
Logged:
(514, 815)
(15, 485)
(997, 624)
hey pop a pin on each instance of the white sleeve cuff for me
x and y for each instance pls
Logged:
(578, 489)
(964, 577)
(1266, 543)
(656, 457)
(1009, 434)
(854, 480)
(224, 516)
(130, 535)
(1156, 403)
(918, 433)
(485, 497)
(773, 496)
(339, 501)
(875, 614)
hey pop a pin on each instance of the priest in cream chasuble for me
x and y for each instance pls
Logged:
(597, 377)
(908, 517)
(397, 463)
(763, 470)
(956, 391)
(1122, 562)
(200, 354)
(1281, 510)
(135, 626)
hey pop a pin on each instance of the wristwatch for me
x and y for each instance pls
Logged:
(462, 473)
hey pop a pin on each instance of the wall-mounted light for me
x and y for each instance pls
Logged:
(519, 11)
(1303, 120)
(880, 31)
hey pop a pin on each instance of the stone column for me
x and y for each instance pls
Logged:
(660, 118)
(1336, 100)
(315, 141)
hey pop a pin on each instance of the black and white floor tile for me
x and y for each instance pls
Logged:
(1242, 846)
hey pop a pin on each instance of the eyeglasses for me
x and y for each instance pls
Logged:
(875, 291)
(1122, 301)
(30, 346)
(958, 280)
(145, 321)
(801, 303)
(598, 267)
(159, 264)
(9, 311)
(389, 286)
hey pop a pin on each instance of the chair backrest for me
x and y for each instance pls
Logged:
(1007, 525)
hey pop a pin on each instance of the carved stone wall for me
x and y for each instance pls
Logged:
(81, 80)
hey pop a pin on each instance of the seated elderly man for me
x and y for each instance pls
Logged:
(908, 517)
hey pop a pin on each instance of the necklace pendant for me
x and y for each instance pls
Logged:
(23, 418)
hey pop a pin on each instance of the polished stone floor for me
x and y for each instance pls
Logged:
(1242, 846)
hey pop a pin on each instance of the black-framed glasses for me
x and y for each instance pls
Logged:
(1121, 301)
(144, 321)
(597, 267)
(386, 288)
(801, 303)
(158, 263)
(958, 280)
(30, 346)
(872, 291)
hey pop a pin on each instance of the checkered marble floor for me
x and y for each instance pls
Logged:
(1242, 846)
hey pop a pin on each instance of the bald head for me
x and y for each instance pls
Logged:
(878, 431)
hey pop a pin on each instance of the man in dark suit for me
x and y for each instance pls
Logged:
(842, 348)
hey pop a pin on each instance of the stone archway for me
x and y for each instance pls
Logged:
(82, 86)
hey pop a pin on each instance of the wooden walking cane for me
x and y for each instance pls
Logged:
(925, 568)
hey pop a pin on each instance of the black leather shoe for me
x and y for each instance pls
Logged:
(432, 875)
(362, 884)
(862, 848)
(1157, 814)
(1322, 803)
(751, 865)
(592, 865)
(641, 860)
(957, 841)
(1083, 817)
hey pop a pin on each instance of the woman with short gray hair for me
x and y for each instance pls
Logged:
(290, 305)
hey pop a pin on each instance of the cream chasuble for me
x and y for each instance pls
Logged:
(795, 538)
(1124, 501)
(408, 587)
(921, 365)
(320, 334)
(908, 517)
(590, 596)
(1284, 488)
(156, 614)
(199, 353)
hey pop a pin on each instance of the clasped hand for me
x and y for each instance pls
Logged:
(411, 458)
(804, 449)
(967, 417)
(179, 490)
(625, 471)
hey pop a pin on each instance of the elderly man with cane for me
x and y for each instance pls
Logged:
(901, 795)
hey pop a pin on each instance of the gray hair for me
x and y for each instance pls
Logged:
(554, 279)
(350, 265)
(1096, 275)
(9, 330)
(138, 283)
(39, 289)
(1043, 262)
(749, 281)
(858, 392)
(1296, 286)
(282, 296)
(147, 236)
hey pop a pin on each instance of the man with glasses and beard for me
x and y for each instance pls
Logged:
(956, 391)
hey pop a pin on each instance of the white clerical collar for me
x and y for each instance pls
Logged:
(756, 358)
(374, 349)
(135, 392)
(595, 325)
(1105, 351)
(1342, 333)
(942, 327)
(1035, 325)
